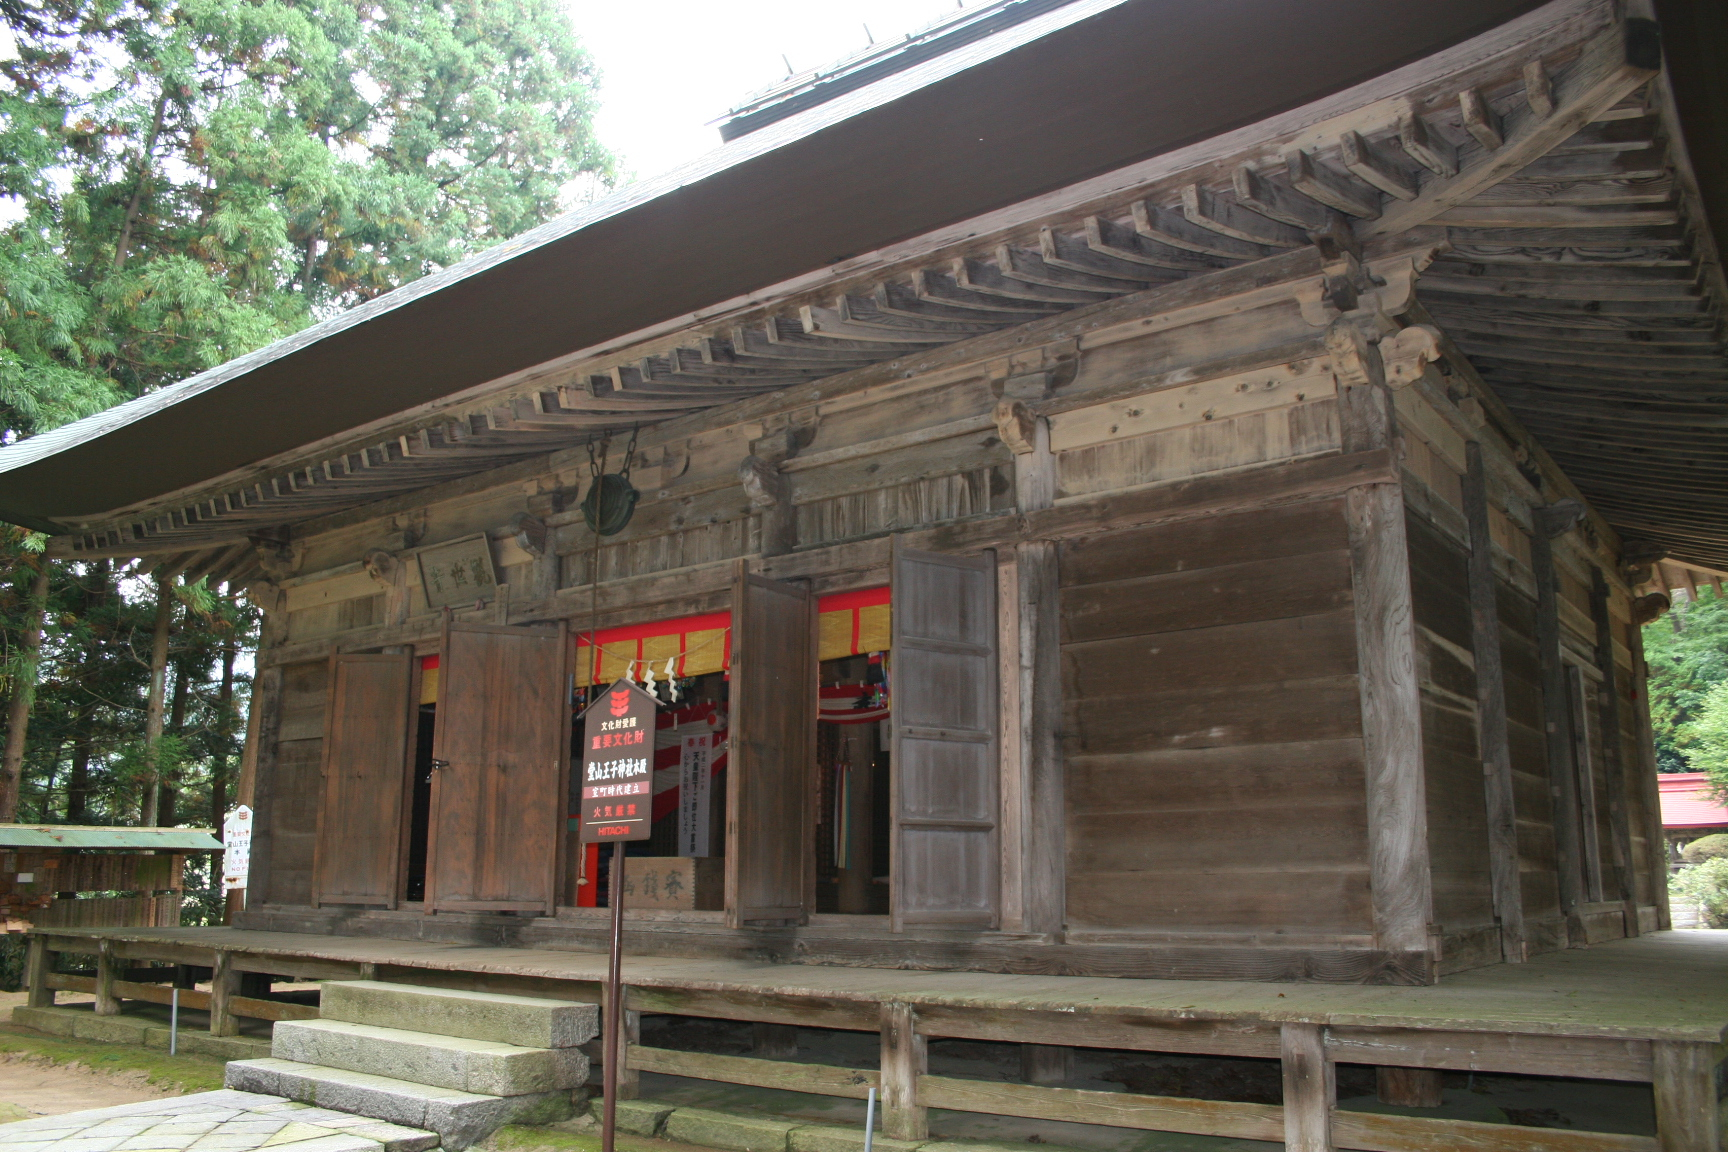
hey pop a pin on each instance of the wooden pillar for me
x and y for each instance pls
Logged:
(1034, 815)
(1391, 702)
(1550, 522)
(224, 984)
(260, 789)
(1408, 1087)
(905, 1058)
(1493, 741)
(774, 1041)
(1656, 850)
(1310, 1088)
(1046, 1064)
(1044, 836)
(629, 1079)
(107, 1004)
(1613, 759)
(1391, 718)
(37, 961)
(1688, 1107)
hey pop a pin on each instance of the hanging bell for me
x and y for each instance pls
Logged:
(610, 503)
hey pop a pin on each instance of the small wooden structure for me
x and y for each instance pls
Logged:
(62, 875)
(1127, 501)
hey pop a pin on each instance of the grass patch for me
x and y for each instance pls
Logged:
(175, 1073)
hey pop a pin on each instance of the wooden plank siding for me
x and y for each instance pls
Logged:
(1456, 797)
(1545, 928)
(1212, 734)
(289, 809)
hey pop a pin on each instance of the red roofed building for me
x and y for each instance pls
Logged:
(1688, 809)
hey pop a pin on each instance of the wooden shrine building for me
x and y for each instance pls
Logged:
(1128, 496)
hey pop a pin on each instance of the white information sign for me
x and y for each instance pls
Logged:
(695, 782)
(236, 848)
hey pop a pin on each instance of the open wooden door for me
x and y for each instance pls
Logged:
(356, 857)
(770, 844)
(944, 715)
(500, 767)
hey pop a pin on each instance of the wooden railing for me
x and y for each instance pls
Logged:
(116, 981)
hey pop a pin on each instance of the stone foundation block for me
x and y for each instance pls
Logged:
(459, 1118)
(481, 1066)
(637, 1117)
(822, 1138)
(724, 1130)
(527, 1021)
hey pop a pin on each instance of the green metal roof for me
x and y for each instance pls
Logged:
(85, 836)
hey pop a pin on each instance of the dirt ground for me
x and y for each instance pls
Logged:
(32, 1085)
(47, 1076)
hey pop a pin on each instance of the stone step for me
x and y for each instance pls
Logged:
(483, 1066)
(458, 1118)
(525, 1020)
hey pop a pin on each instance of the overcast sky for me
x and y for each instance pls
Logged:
(669, 67)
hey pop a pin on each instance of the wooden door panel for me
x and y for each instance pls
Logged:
(366, 741)
(498, 798)
(945, 793)
(770, 847)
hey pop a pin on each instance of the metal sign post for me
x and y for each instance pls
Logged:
(617, 806)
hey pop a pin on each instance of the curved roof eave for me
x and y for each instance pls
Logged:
(1052, 101)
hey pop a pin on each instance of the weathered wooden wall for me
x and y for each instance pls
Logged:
(1456, 793)
(1212, 731)
(1185, 462)
(287, 804)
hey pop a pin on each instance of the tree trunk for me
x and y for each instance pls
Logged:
(167, 805)
(78, 783)
(225, 719)
(154, 705)
(44, 807)
(138, 189)
(83, 746)
(23, 695)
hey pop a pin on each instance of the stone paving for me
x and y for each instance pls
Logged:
(224, 1121)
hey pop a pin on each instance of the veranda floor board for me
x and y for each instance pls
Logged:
(1664, 986)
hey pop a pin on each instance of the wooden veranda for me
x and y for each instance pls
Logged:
(1651, 1009)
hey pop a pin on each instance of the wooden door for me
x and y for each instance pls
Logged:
(357, 853)
(501, 755)
(770, 837)
(945, 867)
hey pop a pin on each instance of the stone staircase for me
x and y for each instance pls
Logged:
(460, 1064)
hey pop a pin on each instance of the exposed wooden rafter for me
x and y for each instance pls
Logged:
(1573, 285)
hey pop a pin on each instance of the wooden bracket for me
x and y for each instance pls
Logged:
(530, 532)
(1556, 519)
(1407, 354)
(1648, 608)
(1638, 560)
(763, 482)
(381, 566)
(1017, 427)
(784, 440)
(1354, 358)
(1034, 373)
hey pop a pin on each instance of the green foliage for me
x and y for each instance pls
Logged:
(13, 950)
(184, 182)
(1705, 848)
(85, 762)
(1708, 739)
(1705, 885)
(1687, 650)
(194, 180)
